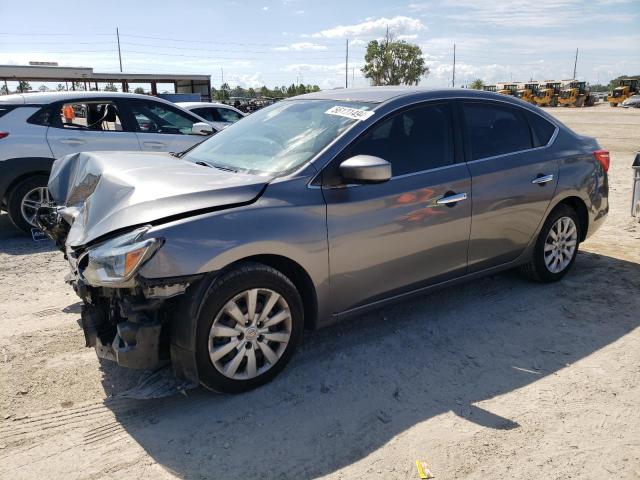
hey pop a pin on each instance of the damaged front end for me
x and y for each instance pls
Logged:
(129, 326)
(124, 317)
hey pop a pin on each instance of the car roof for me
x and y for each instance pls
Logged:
(383, 94)
(202, 104)
(44, 98)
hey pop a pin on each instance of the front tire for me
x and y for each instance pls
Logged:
(556, 247)
(24, 200)
(249, 326)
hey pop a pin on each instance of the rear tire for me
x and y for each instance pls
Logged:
(553, 257)
(16, 197)
(235, 352)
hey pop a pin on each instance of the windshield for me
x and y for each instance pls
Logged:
(278, 138)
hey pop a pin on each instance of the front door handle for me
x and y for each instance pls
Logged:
(72, 141)
(542, 179)
(455, 198)
(155, 144)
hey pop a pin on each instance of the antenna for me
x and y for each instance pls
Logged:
(575, 64)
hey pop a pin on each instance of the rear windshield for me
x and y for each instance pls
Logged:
(278, 138)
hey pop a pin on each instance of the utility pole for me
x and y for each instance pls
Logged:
(119, 53)
(221, 76)
(346, 66)
(453, 82)
(575, 64)
(353, 77)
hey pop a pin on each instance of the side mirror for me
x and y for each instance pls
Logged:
(365, 169)
(201, 128)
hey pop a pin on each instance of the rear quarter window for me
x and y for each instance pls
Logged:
(542, 129)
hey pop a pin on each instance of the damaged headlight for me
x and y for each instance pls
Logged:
(113, 263)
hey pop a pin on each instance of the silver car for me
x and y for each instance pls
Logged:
(313, 209)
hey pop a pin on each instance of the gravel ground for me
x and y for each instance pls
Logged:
(498, 378)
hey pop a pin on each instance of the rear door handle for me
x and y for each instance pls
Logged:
(155, 144)
(542, 179)
(72, 141)
(458, 197)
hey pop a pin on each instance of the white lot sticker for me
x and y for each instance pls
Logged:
(349, 112)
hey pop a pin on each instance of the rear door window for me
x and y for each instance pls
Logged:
(494, 129)
(94, 116)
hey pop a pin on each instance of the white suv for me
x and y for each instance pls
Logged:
(37, 128)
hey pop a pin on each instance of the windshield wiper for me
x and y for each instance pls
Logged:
(204, 164)
(226, 169)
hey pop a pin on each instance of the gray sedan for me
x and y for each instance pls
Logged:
(313, 209)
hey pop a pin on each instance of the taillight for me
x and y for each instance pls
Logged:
(4, 134)
(603, 157)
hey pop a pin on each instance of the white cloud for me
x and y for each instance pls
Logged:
(374, 28)
(527, 14)
(264, 9)
(301, 46)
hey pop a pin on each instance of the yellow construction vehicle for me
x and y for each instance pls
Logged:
(576, 94)
(528, 92)
(625, 89)
(507, 88)
(547, 94)
(489, 88)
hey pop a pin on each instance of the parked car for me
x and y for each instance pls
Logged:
(314, 209)
(37, 128)
(631, 102)
(218, 115)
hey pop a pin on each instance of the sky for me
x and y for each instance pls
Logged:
(280, 42)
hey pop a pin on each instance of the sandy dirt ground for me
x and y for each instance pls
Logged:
(498, 378)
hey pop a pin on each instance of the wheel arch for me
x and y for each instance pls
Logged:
(580, 207)
(298, 276)
(15, 170)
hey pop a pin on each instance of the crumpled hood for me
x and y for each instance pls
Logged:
(106, 191)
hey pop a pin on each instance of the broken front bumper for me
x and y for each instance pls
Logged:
(130, 326)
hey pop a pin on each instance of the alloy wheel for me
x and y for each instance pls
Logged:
(560, 245)
(31, 201)
(250, 333)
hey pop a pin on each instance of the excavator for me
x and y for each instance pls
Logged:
(528, 92)
(507, 88)
(576, 94)
(547, 94)
(626, 88)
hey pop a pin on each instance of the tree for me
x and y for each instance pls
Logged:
(394, 63)
(4, 90)
(77, 86)
(224, 91)
(139, 90)
(60, 87)
(477, 84)
(43, 88)
(110, 87)
(23, 86)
